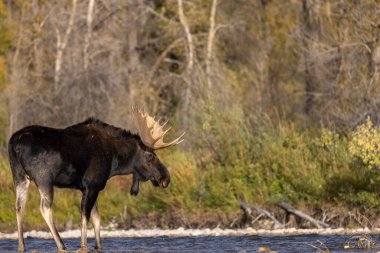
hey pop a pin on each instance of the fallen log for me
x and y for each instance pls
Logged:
(291, 210)
(262, 212)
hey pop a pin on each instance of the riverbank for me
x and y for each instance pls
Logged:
(181, 232)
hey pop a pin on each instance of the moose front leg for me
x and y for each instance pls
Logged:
(88, 201)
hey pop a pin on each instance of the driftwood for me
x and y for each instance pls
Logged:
(262, 212)
(291, 210)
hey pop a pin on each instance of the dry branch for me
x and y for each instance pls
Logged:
(291, 210)
(160, 59)
(262, 212)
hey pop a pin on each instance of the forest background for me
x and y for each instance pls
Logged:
(280, 101)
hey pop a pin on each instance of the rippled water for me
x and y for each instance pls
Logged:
(290, 243)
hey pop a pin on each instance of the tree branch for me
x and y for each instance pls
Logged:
(160, 58)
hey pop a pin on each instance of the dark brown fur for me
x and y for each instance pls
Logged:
(83, 157)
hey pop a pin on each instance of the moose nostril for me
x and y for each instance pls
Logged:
(165, 183)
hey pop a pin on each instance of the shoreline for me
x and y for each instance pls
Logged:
(181, 232)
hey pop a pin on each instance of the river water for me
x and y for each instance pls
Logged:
(251, 243)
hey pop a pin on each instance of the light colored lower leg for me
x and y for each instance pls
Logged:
(21, 197)
(88, 201)
(46, 211)
(83, 244)
(95, 218)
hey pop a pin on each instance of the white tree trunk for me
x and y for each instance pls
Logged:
(189, 38)
(90, 14)
(190, 53)
(210, 43)
(61, 45)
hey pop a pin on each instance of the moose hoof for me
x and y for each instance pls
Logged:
(82, 249)
(61, 249)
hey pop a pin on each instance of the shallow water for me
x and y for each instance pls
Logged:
(289, 243)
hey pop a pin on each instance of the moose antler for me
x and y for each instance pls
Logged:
(151, 131)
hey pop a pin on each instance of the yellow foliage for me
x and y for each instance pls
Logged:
(365, 144)
(265, 249)
(3, 9)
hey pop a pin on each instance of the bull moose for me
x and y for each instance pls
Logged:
(84, 156)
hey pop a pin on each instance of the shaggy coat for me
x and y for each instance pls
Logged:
(83, 156)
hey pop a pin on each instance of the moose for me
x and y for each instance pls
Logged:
(84, 156)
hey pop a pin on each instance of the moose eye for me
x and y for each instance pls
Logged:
(149, 157)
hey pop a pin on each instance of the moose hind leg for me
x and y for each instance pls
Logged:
(46, 211)
(21, 197)
(95, 218)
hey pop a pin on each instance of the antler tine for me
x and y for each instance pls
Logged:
(166, 122)
(157, 122)
(178, 141)
(160, 144)
(167, 130)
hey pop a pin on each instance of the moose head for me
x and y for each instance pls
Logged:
(147, 165)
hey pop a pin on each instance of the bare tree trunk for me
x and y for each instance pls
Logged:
(190, 53)
(13, 100)
(37, 52)
(134, 24)
(90, 14)
(375, 58)
(309, 34)
(210, 43)
(372, 91)
(9, 9)
(375, 65)
(61, 45)
(189, 38)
